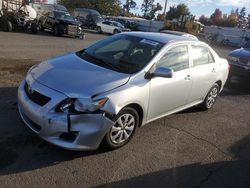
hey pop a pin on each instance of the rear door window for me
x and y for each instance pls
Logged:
(201, 55)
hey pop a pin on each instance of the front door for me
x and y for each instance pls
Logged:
(168, 94)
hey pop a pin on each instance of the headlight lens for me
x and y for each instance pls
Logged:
(83, 105)
(80, 105)
(233, 59)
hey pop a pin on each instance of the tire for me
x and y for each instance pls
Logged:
(34, 28)
(210, 98)
(6, 25)
(58, 30)
(40, 26)
(99, 29)
(116, 136)
(115, 31)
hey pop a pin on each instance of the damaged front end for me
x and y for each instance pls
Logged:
(74, 124)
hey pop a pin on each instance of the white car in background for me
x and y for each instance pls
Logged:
(111, 27)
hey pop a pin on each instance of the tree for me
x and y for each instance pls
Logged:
(216, 17)
(242, 19)
(149, 9)
(175, 12)
(204, 20)
(146, 7)
(154, 9)
(232, 20)
(129, 4)
(106, 7)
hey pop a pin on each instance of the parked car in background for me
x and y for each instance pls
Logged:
(239, 61)
(60, 22)
(88, 17)
(111, 27)
(138, 77)
(126, 23)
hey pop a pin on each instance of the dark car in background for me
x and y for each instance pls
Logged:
(239, 61)
(88, 17)
(60, 22)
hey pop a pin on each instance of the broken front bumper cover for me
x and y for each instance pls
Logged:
(73, 132)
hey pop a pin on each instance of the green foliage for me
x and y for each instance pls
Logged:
(217, 19)
(129, 4)
(176, 11)
(149, 9)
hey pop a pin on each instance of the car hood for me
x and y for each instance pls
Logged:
(71, 22)
(242, 52)
(76, 78)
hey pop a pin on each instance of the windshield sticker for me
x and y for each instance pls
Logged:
(146, 41)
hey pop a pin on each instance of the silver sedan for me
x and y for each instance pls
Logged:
(105, 92)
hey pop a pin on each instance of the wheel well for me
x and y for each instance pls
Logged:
(139, 110)
(219, 83)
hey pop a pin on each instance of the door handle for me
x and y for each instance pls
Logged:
(188, 77)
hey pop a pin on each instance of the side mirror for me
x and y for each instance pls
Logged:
(160, 72)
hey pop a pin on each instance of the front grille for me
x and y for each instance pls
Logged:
(35, 96)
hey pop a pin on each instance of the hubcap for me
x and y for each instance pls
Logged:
(212, 97)
(122, 129)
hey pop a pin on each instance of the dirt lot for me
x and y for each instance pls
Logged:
(188, 149)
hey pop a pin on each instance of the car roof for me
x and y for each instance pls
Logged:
(179, 33)
(160, 37)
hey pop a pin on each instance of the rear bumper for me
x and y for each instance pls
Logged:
(88, 129)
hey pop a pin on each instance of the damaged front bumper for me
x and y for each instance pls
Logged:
(73, 132)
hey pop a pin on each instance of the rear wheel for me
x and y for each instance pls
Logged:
(58, 30)
(210, 98)
(122, 131)
(99, 29)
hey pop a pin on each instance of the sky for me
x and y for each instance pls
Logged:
(199, 7)
(202, 7)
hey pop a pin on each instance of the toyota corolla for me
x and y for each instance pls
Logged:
(105, 92)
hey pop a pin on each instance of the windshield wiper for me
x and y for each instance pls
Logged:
(99, 60)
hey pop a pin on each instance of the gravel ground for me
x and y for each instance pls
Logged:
(187, 149)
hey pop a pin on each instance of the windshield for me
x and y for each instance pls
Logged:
(117, 24)
(63, 15)
(97, 18)
(122, 53)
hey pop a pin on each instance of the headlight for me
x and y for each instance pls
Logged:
(80, 105)
(233, 59)
(83, 105)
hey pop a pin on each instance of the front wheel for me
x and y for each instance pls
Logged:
(58, 30)
(210, 98)
(126, 122)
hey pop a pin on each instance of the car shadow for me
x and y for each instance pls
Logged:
(233, 173)
(236, 87)
(21, 151)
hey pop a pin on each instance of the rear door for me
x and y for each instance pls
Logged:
(204, 71)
